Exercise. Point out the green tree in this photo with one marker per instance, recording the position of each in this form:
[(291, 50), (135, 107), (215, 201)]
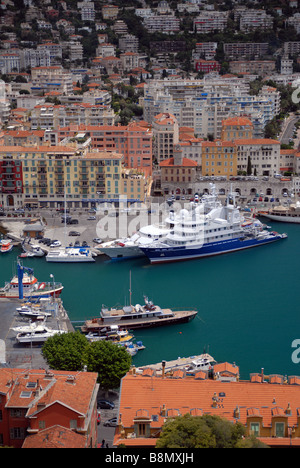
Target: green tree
[(249, 166), (72, 351), (206, 431), (66, 352), (111, 362)]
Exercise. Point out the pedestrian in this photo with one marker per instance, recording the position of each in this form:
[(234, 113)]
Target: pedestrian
[(103, 443)]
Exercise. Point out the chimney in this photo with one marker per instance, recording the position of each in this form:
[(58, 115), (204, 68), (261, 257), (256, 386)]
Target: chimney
[(262, 374), (215, 400), (163, 365), (236, 413), (288, 411), (164, 410)]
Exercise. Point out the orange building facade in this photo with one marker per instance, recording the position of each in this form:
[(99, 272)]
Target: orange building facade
[(35, 402), (132, 140)]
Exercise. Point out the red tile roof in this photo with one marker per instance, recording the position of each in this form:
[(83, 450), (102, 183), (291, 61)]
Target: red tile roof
[(185, 163)]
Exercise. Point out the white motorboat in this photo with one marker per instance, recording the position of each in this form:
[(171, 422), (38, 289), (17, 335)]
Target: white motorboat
[(30, 312), (71, 255), (38, 334), (130, 247), (203, 363), (31, 250)]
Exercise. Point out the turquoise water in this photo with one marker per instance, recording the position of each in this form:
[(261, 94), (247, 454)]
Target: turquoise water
[(248, 302)]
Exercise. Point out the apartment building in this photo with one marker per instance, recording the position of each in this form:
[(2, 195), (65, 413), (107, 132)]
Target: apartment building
[(245, 50), (207, 66), (54, 49), (250, 20), (110, 12), (132, 140), (209, 21), (203, 104), (9, 62), (128, 43), (236, 127), (294, 21), (165, 135), (178, 174), (259, 67), (263, 153), (291, 48), (87, 10), (53, 78), (23, 137), (206, 50), (219, 158), (42, 175), (49, 116), (162, 23), (106, 50), (45, 409)]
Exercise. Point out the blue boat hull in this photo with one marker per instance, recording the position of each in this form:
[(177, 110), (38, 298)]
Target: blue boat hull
[(174, 254)]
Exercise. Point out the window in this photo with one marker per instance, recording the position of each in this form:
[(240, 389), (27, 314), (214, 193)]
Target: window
[(142, 429), (279, 429), (254, 429)]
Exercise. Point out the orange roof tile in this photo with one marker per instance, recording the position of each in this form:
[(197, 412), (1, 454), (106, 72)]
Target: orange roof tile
[(237, 121), (257, 141), (55, 437), (188, 393), (185, 162)]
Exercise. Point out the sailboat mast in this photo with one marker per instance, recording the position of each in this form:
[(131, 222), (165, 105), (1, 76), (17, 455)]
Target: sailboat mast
[(130, 292)]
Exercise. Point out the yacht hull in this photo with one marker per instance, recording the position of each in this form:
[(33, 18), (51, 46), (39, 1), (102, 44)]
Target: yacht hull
[(119, 253), (174, 254)]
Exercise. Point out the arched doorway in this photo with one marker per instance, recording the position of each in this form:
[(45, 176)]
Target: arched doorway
[(269, 191)]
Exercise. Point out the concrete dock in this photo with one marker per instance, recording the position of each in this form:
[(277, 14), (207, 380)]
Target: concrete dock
[(16, 355)]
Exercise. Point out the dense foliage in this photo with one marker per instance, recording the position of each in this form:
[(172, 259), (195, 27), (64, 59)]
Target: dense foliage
[(73, 352), (206, 431)]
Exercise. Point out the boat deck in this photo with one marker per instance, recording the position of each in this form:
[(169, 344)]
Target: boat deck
[(133, 323), (178, 363)]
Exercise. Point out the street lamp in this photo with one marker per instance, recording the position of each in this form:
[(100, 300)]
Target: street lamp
[(52, 277)]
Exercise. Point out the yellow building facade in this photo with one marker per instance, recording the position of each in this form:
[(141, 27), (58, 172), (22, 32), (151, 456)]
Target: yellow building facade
[(219, 158), (48, 173)]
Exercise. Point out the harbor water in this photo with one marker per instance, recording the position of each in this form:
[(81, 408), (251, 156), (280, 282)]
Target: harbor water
[(247, 302)]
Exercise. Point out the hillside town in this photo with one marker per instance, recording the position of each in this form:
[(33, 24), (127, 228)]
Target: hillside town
[(104, 101)]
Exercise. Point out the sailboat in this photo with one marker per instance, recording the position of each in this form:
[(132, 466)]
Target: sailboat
[(70, 254)]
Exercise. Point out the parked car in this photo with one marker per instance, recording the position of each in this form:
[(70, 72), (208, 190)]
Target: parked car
[(73, 221), (111, 422), (97, 240), (84, 244), (98, 417), (55, 243), (106, 404), (74, 233), (91, 218)]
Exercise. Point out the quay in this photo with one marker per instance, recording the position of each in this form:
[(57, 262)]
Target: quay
[(17, 355)]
